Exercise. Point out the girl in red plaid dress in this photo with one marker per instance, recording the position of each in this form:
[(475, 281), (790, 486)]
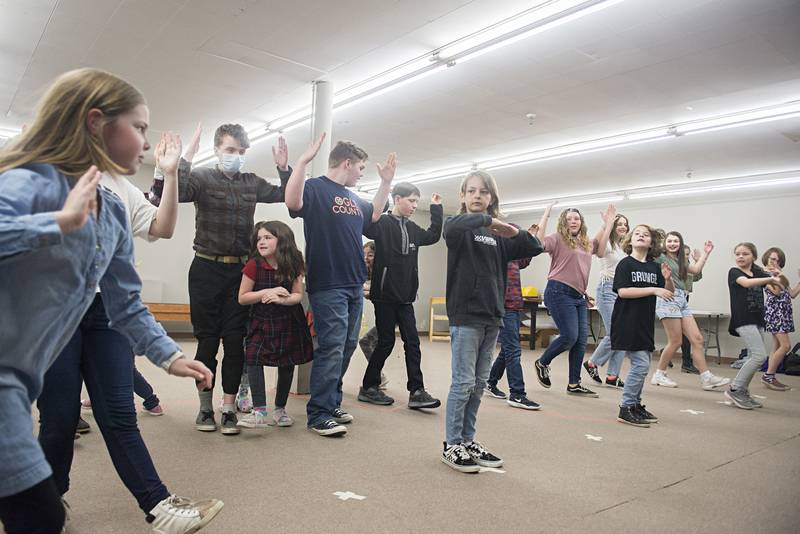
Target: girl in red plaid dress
[(277, 333)]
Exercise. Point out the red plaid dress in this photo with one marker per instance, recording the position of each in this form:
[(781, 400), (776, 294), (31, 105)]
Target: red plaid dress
[(277, 336)]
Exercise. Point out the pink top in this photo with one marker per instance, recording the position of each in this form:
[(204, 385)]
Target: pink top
[(569, 265)]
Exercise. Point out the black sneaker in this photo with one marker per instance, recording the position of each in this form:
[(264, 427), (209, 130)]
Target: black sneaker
[(341, 416), (521, 401), (228, 425), (581, 391), (83, 426), (457, 457), (629, 417), (615, 382), (690, 369), (481, 456), (329, 428), (374, 395), (542, 373), (643, 414), (205, 421), (592, 370), (421, 399), (495, 392)]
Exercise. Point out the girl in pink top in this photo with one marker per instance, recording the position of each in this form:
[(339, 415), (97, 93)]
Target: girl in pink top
[(565, 295)]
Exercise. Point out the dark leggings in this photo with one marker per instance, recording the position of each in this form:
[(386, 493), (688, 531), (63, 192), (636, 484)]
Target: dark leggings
[(258, 389), (37, 510)]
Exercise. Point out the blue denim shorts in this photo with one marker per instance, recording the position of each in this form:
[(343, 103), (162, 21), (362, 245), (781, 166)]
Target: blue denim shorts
[(676, 308)]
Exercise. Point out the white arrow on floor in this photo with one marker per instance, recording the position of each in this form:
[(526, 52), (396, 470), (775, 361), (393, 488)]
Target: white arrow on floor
[(759, 396), (693, 412), (490, 470), (728, 403), (346, 495), (593, 438)]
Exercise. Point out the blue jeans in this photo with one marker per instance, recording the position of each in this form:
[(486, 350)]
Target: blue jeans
[(510, 352), (144, 390), (568, 309), (104, 358), (640, 366), (337, 320), (603, 353), (472, 348)]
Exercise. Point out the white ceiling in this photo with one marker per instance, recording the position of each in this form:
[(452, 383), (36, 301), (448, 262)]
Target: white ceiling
[(635, 65)]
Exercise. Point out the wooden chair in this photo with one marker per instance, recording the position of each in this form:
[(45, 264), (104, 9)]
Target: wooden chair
[(433, 334), (169, 312)]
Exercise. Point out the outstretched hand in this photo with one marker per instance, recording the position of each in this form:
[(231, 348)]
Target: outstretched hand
[(280, 154), (80, 202), (609, 215), (311, 152), (708, 246), (192, 369), (168, 153), (387, 170), (666, 272)]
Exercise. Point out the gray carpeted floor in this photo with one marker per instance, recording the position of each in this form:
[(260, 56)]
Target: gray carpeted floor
[(720, 469)]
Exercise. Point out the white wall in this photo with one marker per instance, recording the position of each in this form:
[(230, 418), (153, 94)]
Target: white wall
[(765, 222), (164, 265)]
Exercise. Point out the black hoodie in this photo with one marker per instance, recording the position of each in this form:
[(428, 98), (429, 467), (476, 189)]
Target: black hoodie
[(395, 272), (477, 268)]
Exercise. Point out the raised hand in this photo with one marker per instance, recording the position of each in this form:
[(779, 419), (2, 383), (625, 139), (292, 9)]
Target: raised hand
[(666, 272), (387, 170), (194, 144), (80, 203), (307, 156), (502, 229), (708, 246), (281, 154), (532, 229), (436, 198), (168, 153), (609, 214)]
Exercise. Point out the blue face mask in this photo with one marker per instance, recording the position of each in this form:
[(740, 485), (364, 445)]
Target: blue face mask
[(231, 163)]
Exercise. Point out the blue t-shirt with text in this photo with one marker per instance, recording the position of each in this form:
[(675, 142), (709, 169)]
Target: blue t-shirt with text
[(334, 219)]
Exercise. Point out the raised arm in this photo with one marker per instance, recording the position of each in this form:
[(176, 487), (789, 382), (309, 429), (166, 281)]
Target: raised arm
[(697, 266), (434, 231), (186, 186), (168, 154), (608, 226), (297, 180), (541, 228), (386, 172), (267, 192)]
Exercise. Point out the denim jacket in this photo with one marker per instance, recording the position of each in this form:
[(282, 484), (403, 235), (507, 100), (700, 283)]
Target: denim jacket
[(48, 279)]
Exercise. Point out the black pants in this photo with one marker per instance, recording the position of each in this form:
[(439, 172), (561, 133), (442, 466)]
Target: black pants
[(37, 510), (387, 316), (686, 348), (217, 314), (258, 389)]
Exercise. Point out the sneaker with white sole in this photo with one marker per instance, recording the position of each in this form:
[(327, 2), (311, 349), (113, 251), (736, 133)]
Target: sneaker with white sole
[(329, 428), (740, 398), (228, 423), (86, 405), (457, 457), (342, 417), (660, 378), (155, 411), (281, 418), (205, 421), (422, 399), (495, 391), (244, 402), (542, 373), (178, 515), (615, 382), (713, 382), (521, 401), (771, 382), (254, 419), (591, 369), (481, 455), (580, 391)]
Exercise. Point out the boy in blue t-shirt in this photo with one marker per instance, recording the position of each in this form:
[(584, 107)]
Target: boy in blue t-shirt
[(334, 219)]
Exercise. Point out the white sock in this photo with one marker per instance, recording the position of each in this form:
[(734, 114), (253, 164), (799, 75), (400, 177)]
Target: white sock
[(706, 375), (228, 407)]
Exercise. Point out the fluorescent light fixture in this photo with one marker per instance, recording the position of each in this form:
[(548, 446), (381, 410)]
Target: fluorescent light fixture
[(787, 110), (8, 133), (721, 185)]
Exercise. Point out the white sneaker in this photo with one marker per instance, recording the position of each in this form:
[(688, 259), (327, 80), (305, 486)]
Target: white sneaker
[(660, 378), (282, 418), (255, 419), (714, 381), (178, 515)]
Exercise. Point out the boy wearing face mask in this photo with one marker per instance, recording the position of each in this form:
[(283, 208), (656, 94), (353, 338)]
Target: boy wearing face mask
[(225, 199)]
